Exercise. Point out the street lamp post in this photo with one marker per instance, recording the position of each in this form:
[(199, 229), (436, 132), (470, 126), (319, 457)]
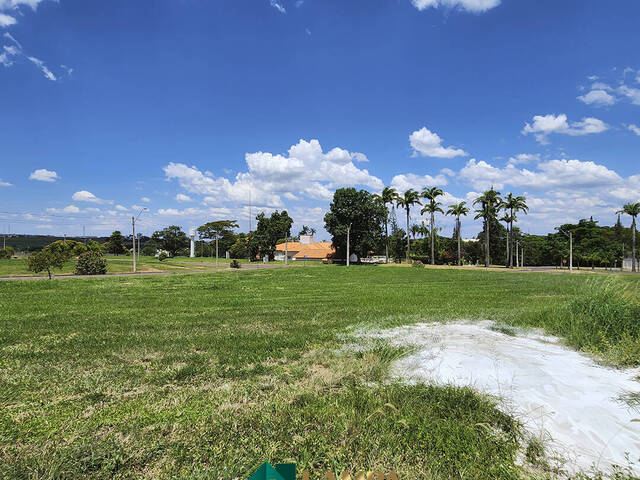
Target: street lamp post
[(133, 236)]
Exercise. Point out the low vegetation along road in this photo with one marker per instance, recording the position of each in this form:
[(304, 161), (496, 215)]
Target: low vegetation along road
[(208, 376)]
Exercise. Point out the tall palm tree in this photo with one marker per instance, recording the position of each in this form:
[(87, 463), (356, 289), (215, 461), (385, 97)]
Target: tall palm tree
[(633, 210), (432, 207), (387, 197), (406, 201), (489, 203), (513, 205), (458, 209)]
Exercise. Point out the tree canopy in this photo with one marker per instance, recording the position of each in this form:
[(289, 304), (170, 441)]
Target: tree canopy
[(366, 215), (172, 239), (268, 231)]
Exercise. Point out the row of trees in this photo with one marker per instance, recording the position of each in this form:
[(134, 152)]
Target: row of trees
[(489, 204), (371, 222)]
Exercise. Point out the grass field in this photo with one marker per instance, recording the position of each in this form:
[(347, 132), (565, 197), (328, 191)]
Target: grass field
[(208, 376), (121, 264)]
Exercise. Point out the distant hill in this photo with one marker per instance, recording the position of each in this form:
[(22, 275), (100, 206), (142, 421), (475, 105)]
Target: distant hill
[(31, 243)]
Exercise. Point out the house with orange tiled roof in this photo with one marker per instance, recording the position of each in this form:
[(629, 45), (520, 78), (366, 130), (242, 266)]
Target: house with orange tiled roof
[(305, 249)]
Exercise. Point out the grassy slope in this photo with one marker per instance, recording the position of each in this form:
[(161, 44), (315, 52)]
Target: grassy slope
[(207, 376)]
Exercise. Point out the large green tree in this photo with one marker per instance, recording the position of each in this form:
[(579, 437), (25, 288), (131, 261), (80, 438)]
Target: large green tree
[(172, 239), (220, 230), (364, 212), (406, 201), (432, 206), (633, 210), (268, 231), (458, 210)]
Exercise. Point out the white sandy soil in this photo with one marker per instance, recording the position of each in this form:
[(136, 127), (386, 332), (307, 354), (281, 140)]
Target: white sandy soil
[(558, 393)]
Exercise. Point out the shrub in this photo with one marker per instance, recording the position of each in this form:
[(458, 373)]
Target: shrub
[(6, 252), (234, 264), (417, 264), (162, 256), (91, 263)]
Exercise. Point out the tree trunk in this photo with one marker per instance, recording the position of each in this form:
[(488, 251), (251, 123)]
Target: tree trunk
[(433, 260), (459, 253), (633, 245), (408, 241), (510, 237), (386, 232), (486, 243), (507, 262)]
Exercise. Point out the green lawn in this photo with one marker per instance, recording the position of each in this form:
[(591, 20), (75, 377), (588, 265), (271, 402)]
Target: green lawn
[(121, 264), (208, 376)]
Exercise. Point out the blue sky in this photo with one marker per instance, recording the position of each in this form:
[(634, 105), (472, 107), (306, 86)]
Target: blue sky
[(196, 109)]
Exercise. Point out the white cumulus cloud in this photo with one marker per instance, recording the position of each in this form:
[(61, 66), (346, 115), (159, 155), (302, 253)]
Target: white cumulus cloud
[(4, 184), (44, 175), (426, 143), (544, 125), (305, 171), (598, 98), (181, 197), (85, 196)]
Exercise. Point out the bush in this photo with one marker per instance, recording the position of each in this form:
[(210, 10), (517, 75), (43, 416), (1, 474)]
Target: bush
[(417, 264), (91, 263), (234, 264), (162, 256), (6, 252)]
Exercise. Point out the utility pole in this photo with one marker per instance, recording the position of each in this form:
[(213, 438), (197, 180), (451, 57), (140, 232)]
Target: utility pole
[(133, 236), (348, 234), (570, 251)]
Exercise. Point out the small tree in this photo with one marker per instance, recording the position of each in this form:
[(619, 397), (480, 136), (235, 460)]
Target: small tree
[(240, 249), (115, 244), (6, 252), (46, 261), (150, 249)]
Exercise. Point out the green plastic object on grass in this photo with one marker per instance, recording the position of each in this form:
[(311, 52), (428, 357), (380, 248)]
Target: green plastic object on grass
[(282, 471)]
